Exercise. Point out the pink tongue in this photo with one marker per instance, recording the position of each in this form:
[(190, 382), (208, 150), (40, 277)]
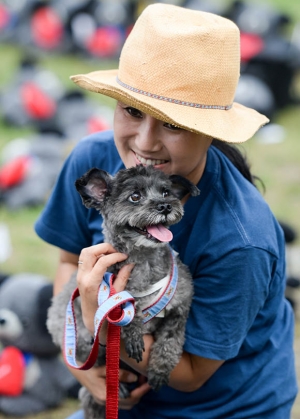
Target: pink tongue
[(160, 232)]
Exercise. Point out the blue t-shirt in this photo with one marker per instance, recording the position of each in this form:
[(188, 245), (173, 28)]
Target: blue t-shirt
[(234, 248)]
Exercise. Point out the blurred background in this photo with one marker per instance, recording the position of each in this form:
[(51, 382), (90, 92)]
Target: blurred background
[(43, 115)]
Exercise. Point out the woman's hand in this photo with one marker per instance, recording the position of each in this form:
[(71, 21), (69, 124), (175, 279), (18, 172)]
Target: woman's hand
[(95, 381), (135, 395), (94, 262)]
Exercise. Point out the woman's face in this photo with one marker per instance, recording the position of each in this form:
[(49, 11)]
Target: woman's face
[(142, 139)]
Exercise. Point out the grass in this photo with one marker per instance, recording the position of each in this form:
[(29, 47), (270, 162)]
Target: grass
[(278, 165), (63, 411), (289, 7), (31, 254)]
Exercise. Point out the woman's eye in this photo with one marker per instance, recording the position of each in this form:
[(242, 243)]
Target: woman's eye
[(172, 126), (133, 112), (166, 193), (135, 197)]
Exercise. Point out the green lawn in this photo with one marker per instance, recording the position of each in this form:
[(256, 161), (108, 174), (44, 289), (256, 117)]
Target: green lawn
[(30, 254)]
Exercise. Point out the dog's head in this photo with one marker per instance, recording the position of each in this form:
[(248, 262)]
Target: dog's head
[(137, 204)]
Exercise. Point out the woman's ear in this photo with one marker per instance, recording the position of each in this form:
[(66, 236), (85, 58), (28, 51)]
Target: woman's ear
[(93, 187), (182, 186)]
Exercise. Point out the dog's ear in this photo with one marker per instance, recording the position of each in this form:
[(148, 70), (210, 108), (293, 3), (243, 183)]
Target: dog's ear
[(182, 186), (93, 187)]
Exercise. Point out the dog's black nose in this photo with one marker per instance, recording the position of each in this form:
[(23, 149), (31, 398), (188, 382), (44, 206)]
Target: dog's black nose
[(164, 208)]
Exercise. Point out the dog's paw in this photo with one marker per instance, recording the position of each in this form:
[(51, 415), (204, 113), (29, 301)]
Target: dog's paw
[(135, 347), (156, 381), (133, 338)]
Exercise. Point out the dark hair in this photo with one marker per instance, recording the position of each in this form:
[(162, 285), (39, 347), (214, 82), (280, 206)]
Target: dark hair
[(239, 160)]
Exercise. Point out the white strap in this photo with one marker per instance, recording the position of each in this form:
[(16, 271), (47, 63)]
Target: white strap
[(155, 287)]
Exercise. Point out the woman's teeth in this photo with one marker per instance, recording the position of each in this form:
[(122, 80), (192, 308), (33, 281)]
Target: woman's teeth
[(149, 162)]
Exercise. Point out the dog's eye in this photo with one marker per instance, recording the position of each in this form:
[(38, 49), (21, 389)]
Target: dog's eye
[(135, 197), (166, 193)]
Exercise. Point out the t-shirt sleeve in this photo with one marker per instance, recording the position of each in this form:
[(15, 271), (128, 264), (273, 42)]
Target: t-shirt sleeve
[(64, 220), (228, 294)]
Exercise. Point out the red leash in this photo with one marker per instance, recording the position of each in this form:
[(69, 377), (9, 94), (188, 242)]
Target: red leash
[(118, 309), (112, 363)]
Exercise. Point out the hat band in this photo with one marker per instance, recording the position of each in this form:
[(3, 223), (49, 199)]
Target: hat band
[(170, 100)]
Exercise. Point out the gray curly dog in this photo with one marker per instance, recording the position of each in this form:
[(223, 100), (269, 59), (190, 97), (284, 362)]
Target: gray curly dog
[(137, 205)]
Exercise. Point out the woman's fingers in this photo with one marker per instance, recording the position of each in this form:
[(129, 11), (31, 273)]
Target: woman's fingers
[(90, 255), (89, 277), (127, 376), (94, 380), (134, 397), (122, 278), (94, 262)]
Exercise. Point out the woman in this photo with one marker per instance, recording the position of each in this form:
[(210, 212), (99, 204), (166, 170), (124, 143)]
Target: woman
[(174, 89)]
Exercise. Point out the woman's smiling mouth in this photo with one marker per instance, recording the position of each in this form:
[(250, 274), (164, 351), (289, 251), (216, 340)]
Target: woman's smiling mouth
[(149, 162)]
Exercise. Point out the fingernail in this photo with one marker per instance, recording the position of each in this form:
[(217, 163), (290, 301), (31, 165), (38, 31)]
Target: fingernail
[(131, 378), (130, 266)]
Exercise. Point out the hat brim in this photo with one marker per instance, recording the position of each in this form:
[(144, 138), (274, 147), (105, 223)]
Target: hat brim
[(235, 125)]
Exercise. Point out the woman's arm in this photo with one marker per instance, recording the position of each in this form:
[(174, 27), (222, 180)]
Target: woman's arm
[(67, 265), (189, 374)]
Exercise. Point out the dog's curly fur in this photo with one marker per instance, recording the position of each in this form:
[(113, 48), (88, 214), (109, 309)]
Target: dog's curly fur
[(129, 202)]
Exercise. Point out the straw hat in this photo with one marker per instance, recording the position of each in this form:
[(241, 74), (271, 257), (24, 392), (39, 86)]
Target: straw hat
[(181, 66)]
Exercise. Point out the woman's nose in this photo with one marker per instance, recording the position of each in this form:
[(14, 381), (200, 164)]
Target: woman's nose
[(147, 136)]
